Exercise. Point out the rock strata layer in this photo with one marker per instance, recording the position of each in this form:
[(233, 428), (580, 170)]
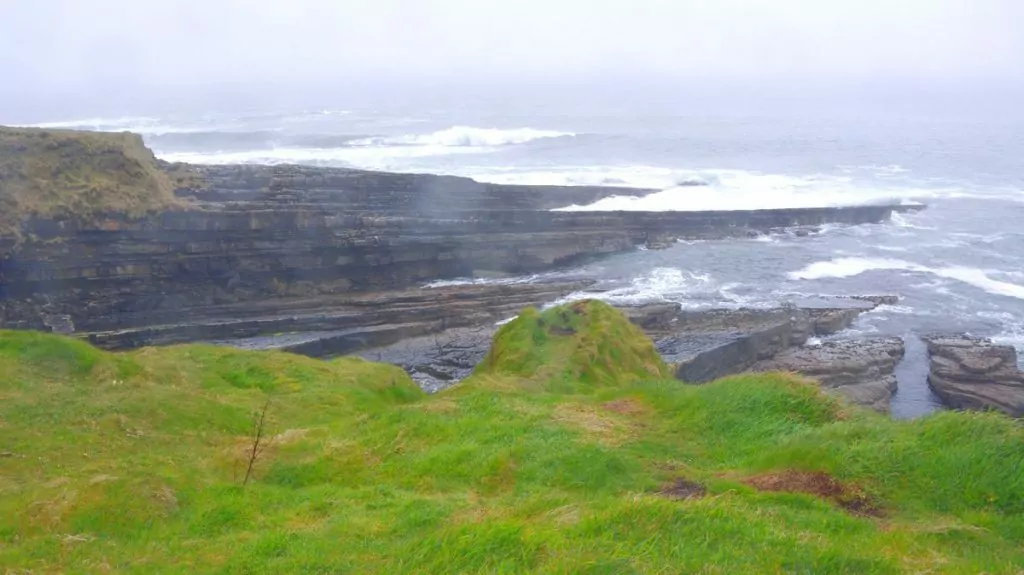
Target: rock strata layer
[(260, 243), (972, 373), (860, 370)]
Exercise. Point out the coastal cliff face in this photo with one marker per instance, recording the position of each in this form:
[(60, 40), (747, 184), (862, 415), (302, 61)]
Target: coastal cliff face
[(264, 241), (325, 262), (60, 173)]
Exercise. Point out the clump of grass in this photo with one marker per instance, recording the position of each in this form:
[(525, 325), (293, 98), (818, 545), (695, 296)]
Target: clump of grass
[(72, 174), (134, 461), (587, 343)]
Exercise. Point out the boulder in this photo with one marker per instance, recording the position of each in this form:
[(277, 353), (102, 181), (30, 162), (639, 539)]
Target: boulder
[(860, 370), (973, 373)]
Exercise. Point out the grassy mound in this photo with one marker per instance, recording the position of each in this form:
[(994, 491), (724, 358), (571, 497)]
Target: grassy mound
[(64, 173), (134, 462), (587, 343)]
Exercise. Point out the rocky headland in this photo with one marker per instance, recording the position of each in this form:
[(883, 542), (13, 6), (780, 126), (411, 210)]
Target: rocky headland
[(103, 241)]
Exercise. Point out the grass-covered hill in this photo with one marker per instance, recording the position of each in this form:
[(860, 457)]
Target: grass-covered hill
[(66, 173), (568, 451)]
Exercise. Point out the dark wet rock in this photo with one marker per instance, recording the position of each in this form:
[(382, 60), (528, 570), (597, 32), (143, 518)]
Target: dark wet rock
[(707, 345), (59, 323), (877, 300), (713, 344), (439, 352), (860, 370), (655, 318), (438, 361), (831, 321), (710, 344), (262, 243), (346, 324), (973, 373)]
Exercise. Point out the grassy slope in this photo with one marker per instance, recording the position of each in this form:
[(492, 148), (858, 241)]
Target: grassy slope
[(69, 173), (539, 463)]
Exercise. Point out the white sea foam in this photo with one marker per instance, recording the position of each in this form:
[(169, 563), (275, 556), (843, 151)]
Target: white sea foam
[(875, 169), (894, 310), (1013, 331), (360, 157), (907, 221), (379, 153), (660, 285), (631, 176), (465, 136), (516, 280), (138, 124), (849, 267), (743, 190), (898, 249)]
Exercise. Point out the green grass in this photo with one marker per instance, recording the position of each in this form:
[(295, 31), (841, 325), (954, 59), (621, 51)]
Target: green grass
[(71, 174), (132, 463)]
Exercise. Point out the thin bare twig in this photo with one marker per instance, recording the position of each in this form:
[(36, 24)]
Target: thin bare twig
[(258, 445)]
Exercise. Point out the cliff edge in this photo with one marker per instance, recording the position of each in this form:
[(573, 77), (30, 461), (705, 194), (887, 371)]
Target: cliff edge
[(71, 174)]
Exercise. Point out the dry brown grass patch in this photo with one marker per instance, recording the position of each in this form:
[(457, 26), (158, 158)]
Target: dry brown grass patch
[(627, 406), (437, 405), (818, 484), (599, 425), (681, 489)]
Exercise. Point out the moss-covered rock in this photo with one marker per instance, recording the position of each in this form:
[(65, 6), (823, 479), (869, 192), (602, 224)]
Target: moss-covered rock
[(586, 343), (66, 173)]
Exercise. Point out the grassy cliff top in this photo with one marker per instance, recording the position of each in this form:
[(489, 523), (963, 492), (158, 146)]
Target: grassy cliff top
[(65, 173), (134, 462)]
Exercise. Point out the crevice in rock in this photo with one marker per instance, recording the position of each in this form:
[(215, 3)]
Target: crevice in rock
[(913, 397)]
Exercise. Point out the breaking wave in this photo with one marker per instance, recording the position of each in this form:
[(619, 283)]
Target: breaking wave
[(465, 136), (354, 157), (849, 267), (743, 190), (629, 176), (667, 284), (137, 124), (376, 153)]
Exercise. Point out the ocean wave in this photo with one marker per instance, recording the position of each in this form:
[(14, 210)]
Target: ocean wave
[(666, 284), (376, 153), (628, 176), (354, 157), (743, 190), (515, 280), (1012, 331), (211, 124), (907, 221), (849, 267), (138, 124), (465, 136), (251, 141), (875, 169)]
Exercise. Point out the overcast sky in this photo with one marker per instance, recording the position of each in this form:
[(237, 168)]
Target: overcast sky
[(90, 46)]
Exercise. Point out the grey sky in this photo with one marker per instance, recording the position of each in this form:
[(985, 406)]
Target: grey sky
[(92, 45)]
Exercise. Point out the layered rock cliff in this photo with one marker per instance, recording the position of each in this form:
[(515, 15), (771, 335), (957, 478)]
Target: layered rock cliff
[(256, 249), (99, 238), (972, 373)]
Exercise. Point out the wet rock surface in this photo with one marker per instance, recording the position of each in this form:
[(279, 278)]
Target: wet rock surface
[(262, 243), (438, 361), (703, 345), (973, 373), (349, 324), (860, 370)]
